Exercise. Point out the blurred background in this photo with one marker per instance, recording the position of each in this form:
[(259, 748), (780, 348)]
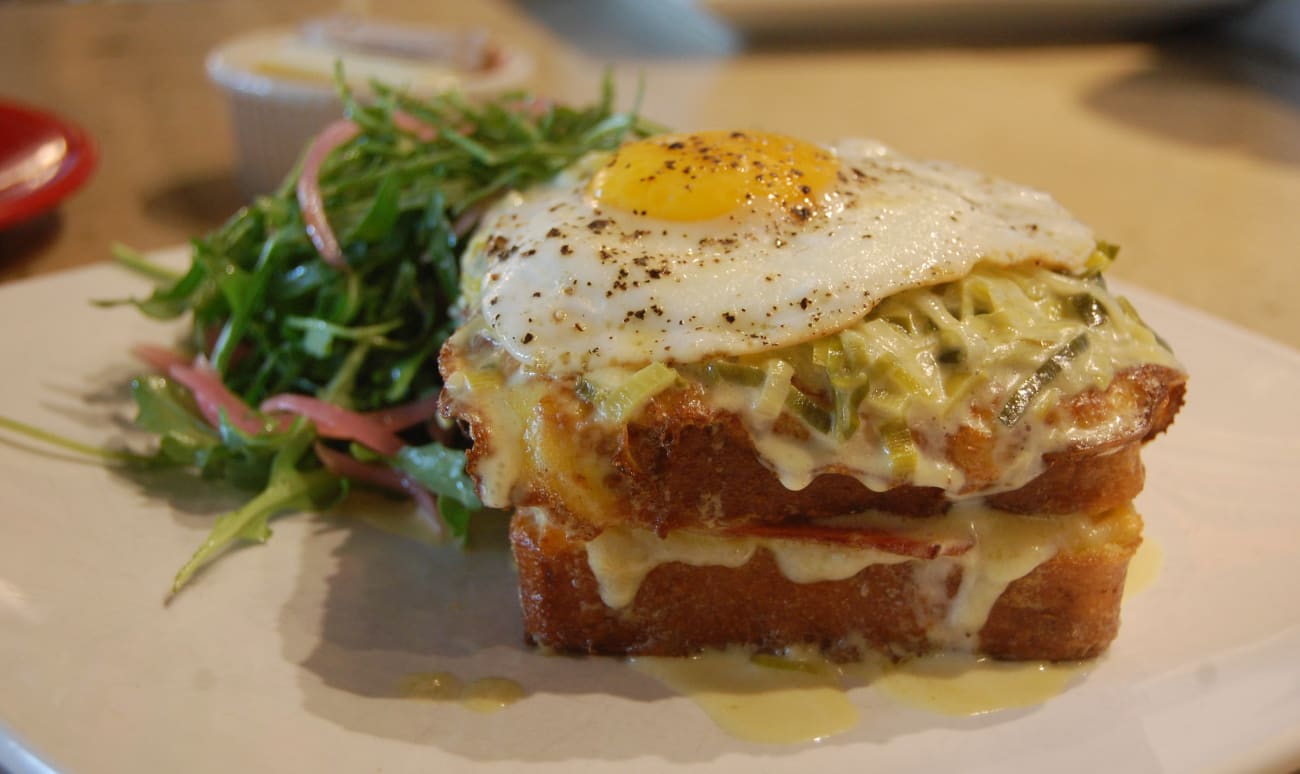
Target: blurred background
[(1171, 126)]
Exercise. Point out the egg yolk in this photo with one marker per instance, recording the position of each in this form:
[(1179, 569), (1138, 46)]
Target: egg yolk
[(705, 175)]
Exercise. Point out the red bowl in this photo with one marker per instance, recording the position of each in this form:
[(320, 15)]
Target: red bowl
[(42, 160)]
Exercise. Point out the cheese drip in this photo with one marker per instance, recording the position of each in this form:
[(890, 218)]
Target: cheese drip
[(622, 557), (991, 549)]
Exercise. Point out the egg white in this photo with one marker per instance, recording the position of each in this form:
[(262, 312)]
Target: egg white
[(569, 286)]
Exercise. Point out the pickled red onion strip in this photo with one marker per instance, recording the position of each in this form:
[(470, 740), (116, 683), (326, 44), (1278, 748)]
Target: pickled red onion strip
[(159, 358), (347, 466), (342, 464), (212, 396), (310, 200), (337, 422), (535, 107), (407, 414), (406, 121)]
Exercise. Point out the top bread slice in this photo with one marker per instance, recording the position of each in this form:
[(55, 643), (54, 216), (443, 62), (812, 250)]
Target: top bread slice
[(680, 463)]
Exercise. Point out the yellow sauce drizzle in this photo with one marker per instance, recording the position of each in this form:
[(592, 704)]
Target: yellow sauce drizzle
[(759, 700), (484, 695), (1143, 568), (802, 698), (491, 694), (961, 685), (433, 686)]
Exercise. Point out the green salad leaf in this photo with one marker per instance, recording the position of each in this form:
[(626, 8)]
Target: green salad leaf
[(166, 409), (440, 470), (287, 488), (270, 316)]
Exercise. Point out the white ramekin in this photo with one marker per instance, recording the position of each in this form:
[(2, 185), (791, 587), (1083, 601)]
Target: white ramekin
[(274, 117)]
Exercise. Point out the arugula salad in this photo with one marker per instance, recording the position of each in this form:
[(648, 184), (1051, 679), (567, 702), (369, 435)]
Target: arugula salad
[(316, 313)]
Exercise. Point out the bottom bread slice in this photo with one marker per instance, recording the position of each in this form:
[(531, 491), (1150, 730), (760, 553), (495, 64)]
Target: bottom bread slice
[(986, 595)]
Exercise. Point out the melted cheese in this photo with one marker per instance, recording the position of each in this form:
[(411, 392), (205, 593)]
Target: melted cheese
[(525, 442), (1003, 547), (504, 408), (621, 557)]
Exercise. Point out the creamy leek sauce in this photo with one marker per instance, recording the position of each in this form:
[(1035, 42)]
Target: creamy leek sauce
[(909, 384), (484, 695)]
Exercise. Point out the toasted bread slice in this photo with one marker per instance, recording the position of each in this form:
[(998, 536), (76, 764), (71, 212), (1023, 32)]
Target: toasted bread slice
[(1065, 607), (681, 464), (679, 454)]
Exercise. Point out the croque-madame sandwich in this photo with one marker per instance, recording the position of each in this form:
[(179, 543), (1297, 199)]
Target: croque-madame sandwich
[(744, 390)]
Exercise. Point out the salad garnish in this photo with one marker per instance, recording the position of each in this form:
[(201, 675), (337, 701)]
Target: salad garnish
[(316, 313)]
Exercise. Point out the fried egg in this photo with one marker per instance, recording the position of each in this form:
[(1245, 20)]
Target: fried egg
[(680, 248)]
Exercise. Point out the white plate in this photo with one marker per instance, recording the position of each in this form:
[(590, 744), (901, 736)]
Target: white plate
[(288, 656)]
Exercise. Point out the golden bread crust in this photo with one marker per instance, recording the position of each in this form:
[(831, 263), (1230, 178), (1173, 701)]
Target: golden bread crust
[(679, 454), (683, 464), (1065, 609)]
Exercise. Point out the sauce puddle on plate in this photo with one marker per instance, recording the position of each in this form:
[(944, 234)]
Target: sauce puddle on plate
[(788, 700), (771, 700), (803, 697), (958, 684), (484, 695), (1143, 568), (799, 698)]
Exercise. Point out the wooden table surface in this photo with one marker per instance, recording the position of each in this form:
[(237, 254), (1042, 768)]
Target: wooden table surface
[(1185, 152)]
